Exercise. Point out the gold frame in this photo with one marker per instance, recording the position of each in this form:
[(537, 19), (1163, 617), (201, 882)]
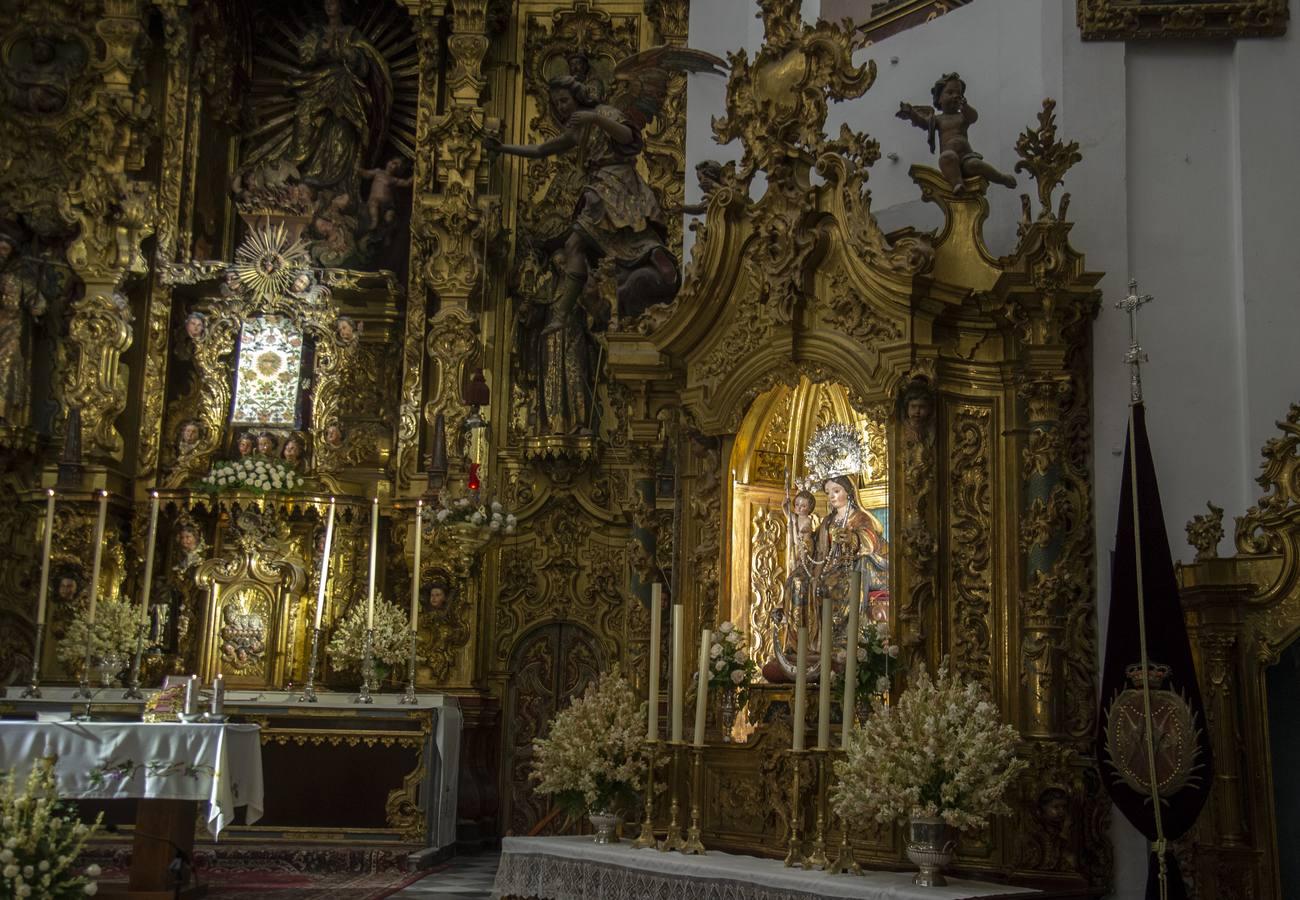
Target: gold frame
[(1126, 20)]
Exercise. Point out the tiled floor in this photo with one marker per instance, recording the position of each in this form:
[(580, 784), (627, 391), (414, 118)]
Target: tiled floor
[(465, 878)]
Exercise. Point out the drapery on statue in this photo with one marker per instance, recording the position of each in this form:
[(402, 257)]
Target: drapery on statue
[(617, 214), (950, 118), (343, 95)]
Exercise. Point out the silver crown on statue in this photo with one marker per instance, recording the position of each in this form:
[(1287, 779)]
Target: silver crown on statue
[(834, 450)]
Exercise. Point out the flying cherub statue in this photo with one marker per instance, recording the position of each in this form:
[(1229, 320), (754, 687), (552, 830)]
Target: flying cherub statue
[(951, 117), (617, 213)]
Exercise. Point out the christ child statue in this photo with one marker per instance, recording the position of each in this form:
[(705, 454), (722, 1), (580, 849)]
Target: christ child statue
[(802, 529), (950, 118), (383, 185)]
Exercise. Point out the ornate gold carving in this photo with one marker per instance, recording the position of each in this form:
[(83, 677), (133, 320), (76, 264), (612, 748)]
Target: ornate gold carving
[(766, 579), (1046, 160), (1134, 19), (402, 808), (100, 331), (972, 522), (1259, 530), (1205, 531)]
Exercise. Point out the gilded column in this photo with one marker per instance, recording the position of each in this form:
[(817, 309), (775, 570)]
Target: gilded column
[(1042, 524)]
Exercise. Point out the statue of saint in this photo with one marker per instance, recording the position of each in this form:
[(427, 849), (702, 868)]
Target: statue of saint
[(20, 303), (848, 538), (617, 215), (343, 95)]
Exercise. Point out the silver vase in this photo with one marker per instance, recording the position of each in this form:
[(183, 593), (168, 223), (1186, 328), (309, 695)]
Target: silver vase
[(931, 843), (727, 711), (606, 825)]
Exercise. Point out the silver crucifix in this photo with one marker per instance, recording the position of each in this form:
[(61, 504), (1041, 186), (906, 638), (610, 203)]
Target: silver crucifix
[(1134, 357)]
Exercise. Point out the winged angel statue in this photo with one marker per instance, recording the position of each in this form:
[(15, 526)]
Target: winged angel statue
[(617, 214)]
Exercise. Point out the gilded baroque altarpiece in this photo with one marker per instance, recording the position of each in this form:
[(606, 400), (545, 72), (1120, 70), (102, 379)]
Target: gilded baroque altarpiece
[(211, 183)]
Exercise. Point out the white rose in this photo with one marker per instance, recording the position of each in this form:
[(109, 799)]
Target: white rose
[(6, 856), (738, 676), (496, 525), (23, 890), (742, 657), (715, 651), (862, 654), (882, 684), (93, 870), (496, 506), (44, 865), (511, 520), (732, 637), (462, 502), (725, 627), (893, 651), (11, 870), (28, 871), (720, 665), (510, 529), (91, 889), (12, 843), (442, 514)]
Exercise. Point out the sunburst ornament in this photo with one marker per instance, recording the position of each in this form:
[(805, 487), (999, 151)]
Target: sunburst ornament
[(269, 261), (834, 450)]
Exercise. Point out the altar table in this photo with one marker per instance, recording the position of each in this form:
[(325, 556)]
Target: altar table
[(171, 768), (575, 868)]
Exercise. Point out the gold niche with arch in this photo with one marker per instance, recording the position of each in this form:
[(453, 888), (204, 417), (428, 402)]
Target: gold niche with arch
[(768, 477)]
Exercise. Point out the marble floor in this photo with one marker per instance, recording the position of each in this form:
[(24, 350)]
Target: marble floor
[(463, 878)]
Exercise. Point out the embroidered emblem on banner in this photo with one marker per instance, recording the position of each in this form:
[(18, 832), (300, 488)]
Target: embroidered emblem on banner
[(1174, 733)]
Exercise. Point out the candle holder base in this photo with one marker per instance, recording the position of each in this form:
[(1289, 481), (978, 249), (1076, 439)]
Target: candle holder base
[(408, 696), (673, 840), (817, 859), (794, 853), (82, 691), (308, 694), (33, 690), (132, 691), (693, 846), (367, 668), (844, 863), (646, 840)]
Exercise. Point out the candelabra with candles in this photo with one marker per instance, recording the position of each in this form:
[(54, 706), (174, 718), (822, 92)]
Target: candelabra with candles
[(794, 852), (646, 839)]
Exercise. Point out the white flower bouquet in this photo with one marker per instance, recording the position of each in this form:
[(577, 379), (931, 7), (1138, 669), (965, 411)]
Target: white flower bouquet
[(391, 641), (877, 662), (594, 756), (259, 474), (112, 637), (941, 752), (730, 665), (492, 516), (40, 839)]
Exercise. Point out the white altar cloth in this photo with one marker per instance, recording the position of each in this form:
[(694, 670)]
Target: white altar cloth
[(217, 764), (575, 868)]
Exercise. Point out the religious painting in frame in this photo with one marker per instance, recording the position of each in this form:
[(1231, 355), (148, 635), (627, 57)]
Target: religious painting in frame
[(1122, 20)]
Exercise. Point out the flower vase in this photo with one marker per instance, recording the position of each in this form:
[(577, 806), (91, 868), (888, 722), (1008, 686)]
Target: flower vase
[(931, 843), (727, 711), (606, 824)]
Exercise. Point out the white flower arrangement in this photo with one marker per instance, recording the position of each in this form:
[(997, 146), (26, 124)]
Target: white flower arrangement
[(491, 516), (877, 662), (112, 637), (732, 666), (391, 640), (593, 758), (260, 474), (40, 840), (940, 752)]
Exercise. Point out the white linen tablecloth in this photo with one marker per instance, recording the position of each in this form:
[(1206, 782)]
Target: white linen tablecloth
[(575, 868), (218, 764)]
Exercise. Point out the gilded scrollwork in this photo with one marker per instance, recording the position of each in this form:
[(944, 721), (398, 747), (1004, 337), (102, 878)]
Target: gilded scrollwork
[(971, 522)]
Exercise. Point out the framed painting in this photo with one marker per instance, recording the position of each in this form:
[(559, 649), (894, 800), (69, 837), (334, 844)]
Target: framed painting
[(1123, 20)]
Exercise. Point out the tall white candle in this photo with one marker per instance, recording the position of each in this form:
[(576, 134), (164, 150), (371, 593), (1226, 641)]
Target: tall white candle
[(150, 541), (702, 688), (45, 557), (374, 548), (219, 695), (824, 681), (99, 555), (679, 671), (851, 657), (656, 625), (325, 564), (415, 574), (800, 688)]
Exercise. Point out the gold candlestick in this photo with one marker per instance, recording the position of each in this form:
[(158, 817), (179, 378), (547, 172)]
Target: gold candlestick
[(844, 862), (646, 839), (817, 859), (794, 855), (693, 843), (674, 840)]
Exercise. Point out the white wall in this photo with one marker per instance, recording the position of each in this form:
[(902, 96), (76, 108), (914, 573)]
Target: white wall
[(1187, 183)]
